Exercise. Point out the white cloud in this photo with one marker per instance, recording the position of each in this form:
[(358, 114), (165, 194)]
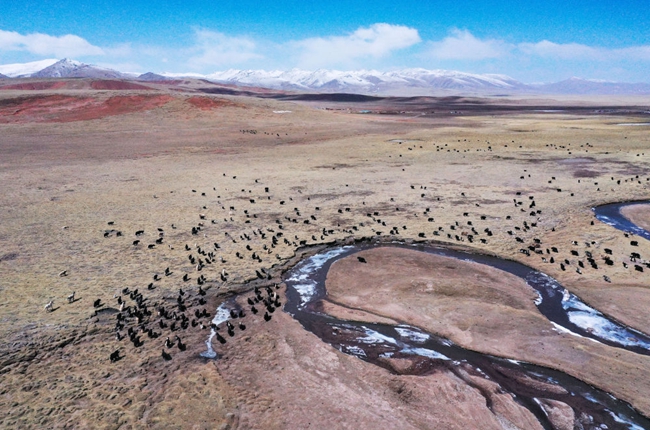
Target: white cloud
[(375, 41), (635, 52), (68, 45), (17, 69), (573, 51), (549, 49), (121, 50), (463, 45), (217, 49), (381, 46)]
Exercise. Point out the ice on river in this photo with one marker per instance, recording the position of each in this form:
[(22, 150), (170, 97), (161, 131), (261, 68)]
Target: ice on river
[(592, 321), (222, 315), (374, 337), (302, 276), (411, 334)]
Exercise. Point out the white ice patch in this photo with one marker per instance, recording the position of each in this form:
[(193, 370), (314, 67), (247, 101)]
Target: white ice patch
[(573, 303), (306, 292), (412, 335), (624, 226), (539, 278), (374, 337), (301, 274), (281, 111), (560, 329), (424, 352), (540, 405), (222, 315), (592, 321), (584, 316), (605, 329), (607, 220), (542, 279), (355, 350), (566, 295), (630, 425), (210, 352)]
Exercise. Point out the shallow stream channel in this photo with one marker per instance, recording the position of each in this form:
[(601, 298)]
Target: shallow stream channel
[(529, 384)]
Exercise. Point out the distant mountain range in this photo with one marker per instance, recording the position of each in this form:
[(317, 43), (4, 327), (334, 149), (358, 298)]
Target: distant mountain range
[(74, 69), (368, 81), (406, 82)]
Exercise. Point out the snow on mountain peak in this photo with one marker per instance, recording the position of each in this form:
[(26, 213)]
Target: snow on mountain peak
[(67, 68), (363, 80), (360, 81), (411, 81)]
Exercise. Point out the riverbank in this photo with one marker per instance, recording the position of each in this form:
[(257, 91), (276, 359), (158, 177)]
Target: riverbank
[(638, 214), (480, 308)]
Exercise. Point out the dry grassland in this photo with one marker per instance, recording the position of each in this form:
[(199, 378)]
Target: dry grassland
[(167, 162)]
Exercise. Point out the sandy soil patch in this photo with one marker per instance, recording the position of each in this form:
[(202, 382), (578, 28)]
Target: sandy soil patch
[(49, 85), (638, 214), (107, 84), (207, 103), (61, 108), (478, 307)]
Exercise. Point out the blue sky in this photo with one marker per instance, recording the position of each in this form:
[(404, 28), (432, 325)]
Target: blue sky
[(532, 41)]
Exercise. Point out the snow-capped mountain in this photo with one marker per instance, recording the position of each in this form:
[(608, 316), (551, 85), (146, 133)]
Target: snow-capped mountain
[(74, 69), (3, 76), (25, 69), (150, 76), (366, 81), (405, 82)]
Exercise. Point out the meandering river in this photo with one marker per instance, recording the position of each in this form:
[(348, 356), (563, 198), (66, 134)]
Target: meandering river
[(529, 384)]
